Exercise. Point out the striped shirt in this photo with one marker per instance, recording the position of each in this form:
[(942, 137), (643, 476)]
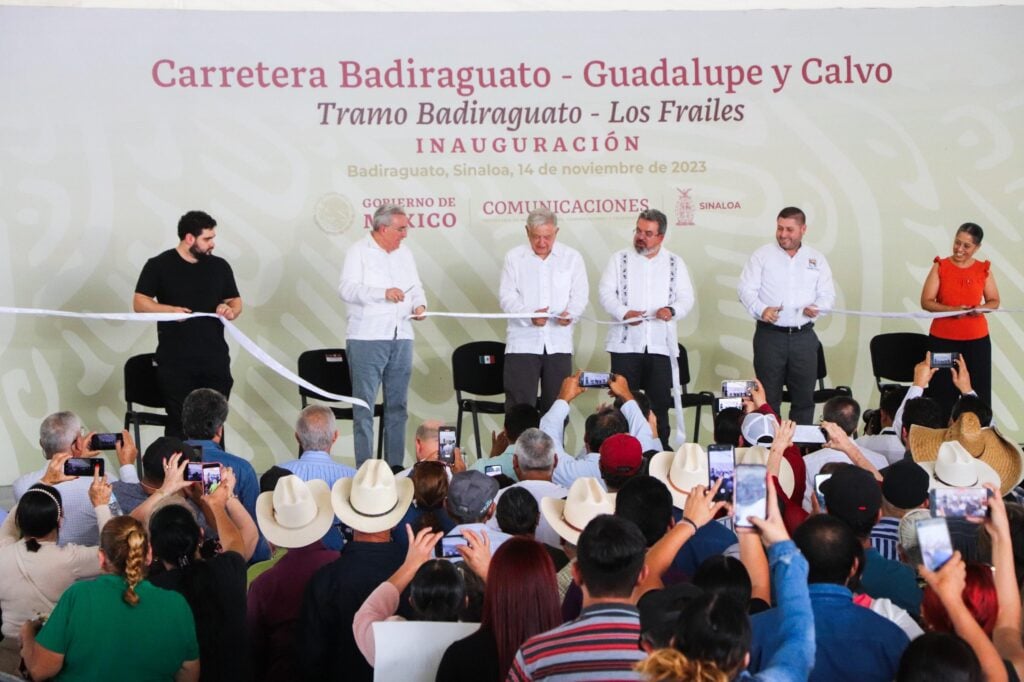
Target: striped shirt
[(885, 536), (602, 644)]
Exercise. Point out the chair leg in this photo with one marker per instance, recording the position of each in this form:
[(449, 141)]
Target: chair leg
[(476, 432), (458, 426), (696, 424), (380, 437)]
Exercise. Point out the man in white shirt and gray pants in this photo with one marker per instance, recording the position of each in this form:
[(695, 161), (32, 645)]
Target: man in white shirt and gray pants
[(543, 277), (652, 286), (785, 286), (382, 288)]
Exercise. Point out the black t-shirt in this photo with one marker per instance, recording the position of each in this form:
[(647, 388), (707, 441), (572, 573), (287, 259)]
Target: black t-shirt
[(200, 287), (225, 655)]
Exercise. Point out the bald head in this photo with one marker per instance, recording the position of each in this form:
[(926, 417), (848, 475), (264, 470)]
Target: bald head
[(426, 439)]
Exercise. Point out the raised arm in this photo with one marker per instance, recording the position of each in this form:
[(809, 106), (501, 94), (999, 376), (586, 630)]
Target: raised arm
[(1007, 632)]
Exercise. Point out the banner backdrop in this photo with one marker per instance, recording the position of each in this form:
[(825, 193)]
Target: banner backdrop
[(888, 127)]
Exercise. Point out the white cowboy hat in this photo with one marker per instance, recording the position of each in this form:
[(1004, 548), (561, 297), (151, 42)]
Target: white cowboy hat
[(373, 500), (295, 513), (681, 470), (955, 468), (759, 455), (984, 444), (587, 498)]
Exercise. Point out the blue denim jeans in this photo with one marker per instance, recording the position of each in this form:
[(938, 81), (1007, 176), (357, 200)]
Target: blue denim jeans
[(373, 363)]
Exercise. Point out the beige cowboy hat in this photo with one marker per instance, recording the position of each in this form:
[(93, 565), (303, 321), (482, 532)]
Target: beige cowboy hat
[(373, 500), (983, 444), (295, 513), (681, 470), (587, 498), (759, 455), (955, 468)]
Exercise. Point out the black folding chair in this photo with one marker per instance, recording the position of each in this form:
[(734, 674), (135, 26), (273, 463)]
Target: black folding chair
[(478, 368), (893, 357), (697, 400), (822, 394), (328, 369), (141, 389)]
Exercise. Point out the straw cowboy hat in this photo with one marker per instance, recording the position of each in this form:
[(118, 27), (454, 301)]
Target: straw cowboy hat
[(983, 444), (373, 500), (681, 470), (295, 513), (759, 455), (587, 498), (955, 468)]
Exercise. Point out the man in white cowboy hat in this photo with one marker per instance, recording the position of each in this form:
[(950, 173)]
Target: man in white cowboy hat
[(295, 515), (567, 517), (991, 452), (371, 504), (681, 471)]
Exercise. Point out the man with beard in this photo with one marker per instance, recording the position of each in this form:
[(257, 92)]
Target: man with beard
[(786, 286), (649, 287), (192, 353)]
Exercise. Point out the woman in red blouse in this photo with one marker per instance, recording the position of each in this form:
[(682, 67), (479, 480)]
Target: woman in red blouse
[(960, 282)]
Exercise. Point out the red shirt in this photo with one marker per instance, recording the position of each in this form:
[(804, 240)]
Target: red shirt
[(957, 287)]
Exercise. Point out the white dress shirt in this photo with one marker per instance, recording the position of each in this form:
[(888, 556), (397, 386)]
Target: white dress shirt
[(634, 282), (772, 278), (368, 272), (816, 460), (887, 443), (529, 283)]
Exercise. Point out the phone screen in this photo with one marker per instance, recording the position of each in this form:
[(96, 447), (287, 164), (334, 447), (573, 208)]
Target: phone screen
[(448, 544), (963, 503), (944, 360), (726, 403), (722, 465), (194, 471), (736, 388), (104, 441), (492, 469), (446, 444), (83, 466), (211, 477), (594, 379), (808, 434), (933, 539), (751, 498), (818, 480)]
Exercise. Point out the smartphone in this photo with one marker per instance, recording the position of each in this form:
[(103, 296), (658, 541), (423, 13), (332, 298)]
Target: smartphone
[(726, 403), (944, 360), (722, 465), (933, 539), (83, 466), (194, 472), (751, 496), (809, 435), (492, 469), (737, 388), (104, 441), (818, 480), (211, 477), (446, 444), (960, 503), (446, 548), (594, 379)]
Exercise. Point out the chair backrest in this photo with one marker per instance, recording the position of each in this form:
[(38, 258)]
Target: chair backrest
[(140, 381), (326, 368), (894, 355), (684, 367), (478, 367)]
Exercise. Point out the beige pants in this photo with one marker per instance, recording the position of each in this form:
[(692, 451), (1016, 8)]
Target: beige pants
[(10, 655)]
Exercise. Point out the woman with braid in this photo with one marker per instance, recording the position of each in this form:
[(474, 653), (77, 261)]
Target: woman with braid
[(118, 626)]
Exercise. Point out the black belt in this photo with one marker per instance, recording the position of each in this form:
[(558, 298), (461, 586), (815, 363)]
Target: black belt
[(785, 330)]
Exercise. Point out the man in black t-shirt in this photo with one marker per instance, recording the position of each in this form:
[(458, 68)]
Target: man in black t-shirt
[(190, 354)]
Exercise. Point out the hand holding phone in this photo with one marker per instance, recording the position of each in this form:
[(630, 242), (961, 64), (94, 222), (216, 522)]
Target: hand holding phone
[(594, 379), (721, 466), (751, 496), (104, 441), (211, 477), (944, 360), (446, 444), (934, 542), (84, 466)]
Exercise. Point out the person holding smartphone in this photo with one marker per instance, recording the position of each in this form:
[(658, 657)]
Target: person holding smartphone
[(960, 282)]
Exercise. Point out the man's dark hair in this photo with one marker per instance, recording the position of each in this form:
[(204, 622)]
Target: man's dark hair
[(517, 512), (728, 426), (939, 656), (270, 477), (830, 547), (194, 222), (891, 400), (642, 401), (793, 212), (844, 411), (610, 554), (974, 405), (518, 418), (654, 215), (922, 411), (158, 451), (602, 425), (646, 502), (203, 413), (726, 576)]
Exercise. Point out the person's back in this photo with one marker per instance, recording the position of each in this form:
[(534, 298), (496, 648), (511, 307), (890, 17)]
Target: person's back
[(851, 642)]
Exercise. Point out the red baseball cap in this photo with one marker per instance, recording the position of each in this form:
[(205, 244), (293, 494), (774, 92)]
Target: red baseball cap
[(621, 455)]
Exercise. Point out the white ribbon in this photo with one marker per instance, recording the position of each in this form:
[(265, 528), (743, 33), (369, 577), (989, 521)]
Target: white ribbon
[(244, 341)]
